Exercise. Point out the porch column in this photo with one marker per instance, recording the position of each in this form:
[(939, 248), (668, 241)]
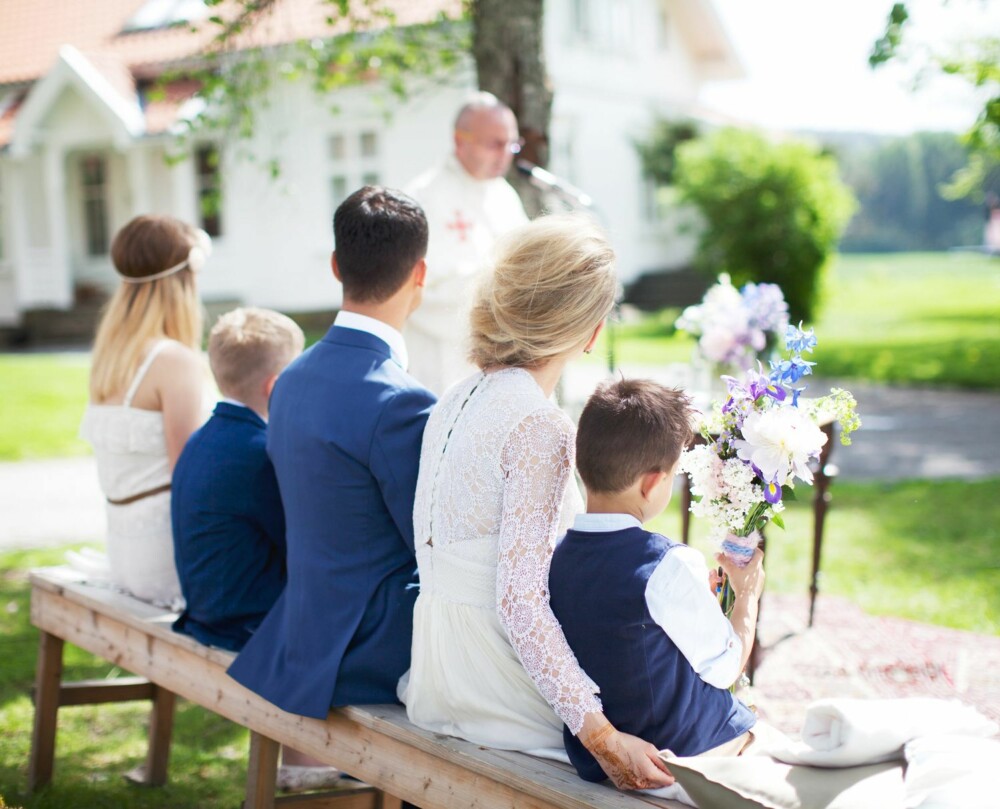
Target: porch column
[(138, 179), (185, 192), (57, 289)]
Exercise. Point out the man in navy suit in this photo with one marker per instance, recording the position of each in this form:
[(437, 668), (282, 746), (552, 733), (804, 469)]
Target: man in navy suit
[(229, 527), (344, 437)]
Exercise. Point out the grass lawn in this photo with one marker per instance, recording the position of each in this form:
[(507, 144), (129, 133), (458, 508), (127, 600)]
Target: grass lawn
[(42, 397), (895, 549), (912, 318), (915, 549), (96, 745)]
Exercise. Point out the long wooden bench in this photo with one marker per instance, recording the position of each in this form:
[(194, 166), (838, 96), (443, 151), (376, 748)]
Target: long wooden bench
[(375, 744)]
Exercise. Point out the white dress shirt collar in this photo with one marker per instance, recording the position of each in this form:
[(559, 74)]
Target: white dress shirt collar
[(377, 328), (602, 523)]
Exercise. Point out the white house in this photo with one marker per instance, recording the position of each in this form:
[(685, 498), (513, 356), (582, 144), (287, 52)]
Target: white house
[(83, 147)]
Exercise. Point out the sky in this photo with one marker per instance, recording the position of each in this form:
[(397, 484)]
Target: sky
[(807, 65)]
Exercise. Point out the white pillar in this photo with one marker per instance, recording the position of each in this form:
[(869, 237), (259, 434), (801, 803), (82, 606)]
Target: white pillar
[(138, 180), (57, 288), (185, 202)]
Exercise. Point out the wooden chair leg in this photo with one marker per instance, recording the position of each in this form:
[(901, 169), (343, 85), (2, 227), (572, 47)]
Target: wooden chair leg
[(43, 738), (262, 772), (161, 728), (387, 801)]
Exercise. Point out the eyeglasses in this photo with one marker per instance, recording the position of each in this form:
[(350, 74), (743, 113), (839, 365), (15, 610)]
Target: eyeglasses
[(495, 145)]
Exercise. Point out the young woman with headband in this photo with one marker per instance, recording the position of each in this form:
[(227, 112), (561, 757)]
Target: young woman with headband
[(147, 384)]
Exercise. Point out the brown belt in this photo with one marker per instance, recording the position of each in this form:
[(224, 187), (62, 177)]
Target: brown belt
[(140, 496)]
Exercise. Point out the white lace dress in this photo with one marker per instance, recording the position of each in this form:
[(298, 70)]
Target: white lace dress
[(131, 453), (495, 491)]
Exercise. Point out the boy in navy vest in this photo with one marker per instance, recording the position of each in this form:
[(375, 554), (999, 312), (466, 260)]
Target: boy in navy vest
[(229, 526), (638, 609)]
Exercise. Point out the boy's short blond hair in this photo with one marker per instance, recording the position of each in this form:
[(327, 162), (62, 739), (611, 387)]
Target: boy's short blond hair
[(630, 427), (248, 346)]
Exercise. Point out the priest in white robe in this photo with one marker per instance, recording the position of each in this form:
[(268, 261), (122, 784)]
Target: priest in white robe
[(469, 205)]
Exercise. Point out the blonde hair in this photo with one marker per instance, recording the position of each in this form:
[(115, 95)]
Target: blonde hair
[(553, 282), (248, 346), (140, 313)]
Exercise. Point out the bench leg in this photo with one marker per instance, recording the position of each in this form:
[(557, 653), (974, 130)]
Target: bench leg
[(387, 801), (262, 772), (43, 738), (161, 729)]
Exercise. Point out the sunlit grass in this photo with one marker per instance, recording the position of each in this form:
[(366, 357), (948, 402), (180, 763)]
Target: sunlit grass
[(913, 318)]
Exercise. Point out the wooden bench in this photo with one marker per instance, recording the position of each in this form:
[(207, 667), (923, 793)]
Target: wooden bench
[(373, 743)]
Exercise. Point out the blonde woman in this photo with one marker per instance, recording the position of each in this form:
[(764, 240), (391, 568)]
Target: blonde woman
[(146, 396), (490, 662)]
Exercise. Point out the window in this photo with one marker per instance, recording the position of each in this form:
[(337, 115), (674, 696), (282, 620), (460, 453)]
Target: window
[(354, 162), (209, 186), (605, 24), (94, 172)]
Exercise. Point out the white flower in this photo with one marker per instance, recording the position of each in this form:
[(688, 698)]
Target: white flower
[(780, 442)]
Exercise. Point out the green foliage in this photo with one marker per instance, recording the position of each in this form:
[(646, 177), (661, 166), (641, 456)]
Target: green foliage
[(42, 403), (897, 183), (905, 318), (923, 550), (773, 212), (978, 62), (658, 152), (364, 45), (97, 745)]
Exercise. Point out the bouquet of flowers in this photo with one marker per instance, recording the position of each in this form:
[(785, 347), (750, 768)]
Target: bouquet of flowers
[(758, 443), (733, 326)]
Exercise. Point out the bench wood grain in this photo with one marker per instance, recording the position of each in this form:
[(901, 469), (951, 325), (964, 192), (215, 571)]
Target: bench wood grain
[(375, 743)]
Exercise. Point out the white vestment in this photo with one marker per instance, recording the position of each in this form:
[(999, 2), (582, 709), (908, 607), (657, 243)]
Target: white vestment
[(465, 217)]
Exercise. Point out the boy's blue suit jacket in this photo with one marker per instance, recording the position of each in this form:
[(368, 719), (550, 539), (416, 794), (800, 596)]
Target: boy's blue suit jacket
[(346, 423), (229, 528)]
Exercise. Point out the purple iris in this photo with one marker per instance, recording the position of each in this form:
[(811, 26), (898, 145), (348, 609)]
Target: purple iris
[(772, 492)]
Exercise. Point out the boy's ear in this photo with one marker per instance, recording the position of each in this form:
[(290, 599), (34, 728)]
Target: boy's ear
[(650, 481), (334, 266), (269, 386)]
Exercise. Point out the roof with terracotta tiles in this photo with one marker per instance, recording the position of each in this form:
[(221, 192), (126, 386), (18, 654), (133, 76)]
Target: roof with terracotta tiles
[(32, 31)]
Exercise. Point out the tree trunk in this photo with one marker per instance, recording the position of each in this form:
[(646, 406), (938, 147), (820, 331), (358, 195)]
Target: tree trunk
[(510, 63)]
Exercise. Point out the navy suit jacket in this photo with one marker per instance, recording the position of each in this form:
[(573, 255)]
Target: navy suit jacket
[(229, 529), (345, 428)]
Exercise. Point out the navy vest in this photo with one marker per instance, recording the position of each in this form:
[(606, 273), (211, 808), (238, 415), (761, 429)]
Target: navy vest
[(597, 586)]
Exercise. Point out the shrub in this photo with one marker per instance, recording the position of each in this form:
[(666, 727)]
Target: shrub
[(772, 211)]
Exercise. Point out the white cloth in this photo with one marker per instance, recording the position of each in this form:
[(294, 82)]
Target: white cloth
[(465, 217), (377, 328), (958, 772), (131, 452), (850, 732), (494, 492), (681, 603)]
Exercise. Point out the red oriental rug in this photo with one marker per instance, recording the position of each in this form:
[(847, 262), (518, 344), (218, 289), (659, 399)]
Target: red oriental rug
[(848, 653)]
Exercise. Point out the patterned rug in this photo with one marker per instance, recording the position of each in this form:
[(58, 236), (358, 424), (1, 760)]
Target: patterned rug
[(848, 653)]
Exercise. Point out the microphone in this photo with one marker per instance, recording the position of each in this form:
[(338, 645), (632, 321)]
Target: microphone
[(547, 181)]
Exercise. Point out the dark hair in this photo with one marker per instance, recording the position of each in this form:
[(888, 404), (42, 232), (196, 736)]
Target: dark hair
[(630, 427), (379, 235)]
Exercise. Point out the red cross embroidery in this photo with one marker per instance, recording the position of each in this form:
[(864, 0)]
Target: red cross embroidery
[(460, 225)]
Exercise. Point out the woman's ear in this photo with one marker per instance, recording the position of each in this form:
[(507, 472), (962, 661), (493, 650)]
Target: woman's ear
[(593, 337)]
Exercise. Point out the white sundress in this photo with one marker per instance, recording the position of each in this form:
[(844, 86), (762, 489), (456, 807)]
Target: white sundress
[(494, 492), (131, 453)]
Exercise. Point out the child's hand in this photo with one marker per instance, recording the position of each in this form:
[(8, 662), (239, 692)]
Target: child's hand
[(715, 579), (749, 579)]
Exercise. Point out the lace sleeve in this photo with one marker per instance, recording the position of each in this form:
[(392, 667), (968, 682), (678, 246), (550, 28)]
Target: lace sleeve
[(537, 461)]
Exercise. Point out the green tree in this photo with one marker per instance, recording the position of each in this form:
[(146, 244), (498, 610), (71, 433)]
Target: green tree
[(772, 211), (978, 62)]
